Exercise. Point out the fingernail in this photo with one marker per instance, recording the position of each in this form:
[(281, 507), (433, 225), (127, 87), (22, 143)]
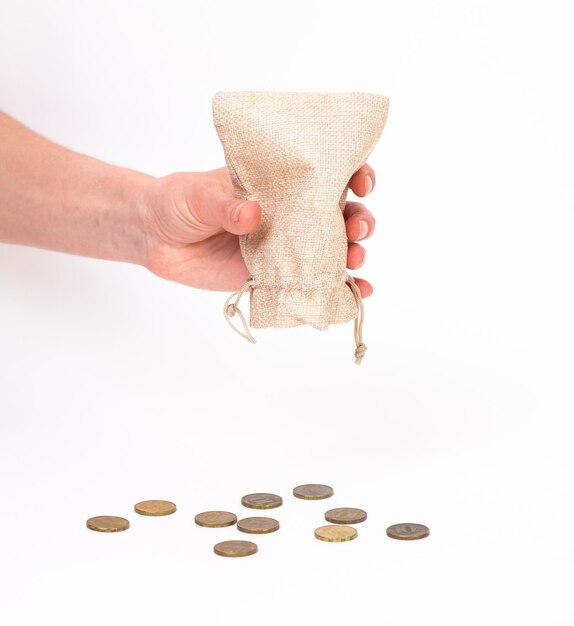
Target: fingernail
[(368, 184), (237, 211), (363, 261), (363, 229)]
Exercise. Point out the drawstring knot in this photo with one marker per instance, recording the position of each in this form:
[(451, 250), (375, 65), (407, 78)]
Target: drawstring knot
[(360, 353), (230, 309)]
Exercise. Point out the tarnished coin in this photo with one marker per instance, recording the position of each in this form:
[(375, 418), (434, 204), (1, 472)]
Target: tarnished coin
[(408, 531), (108, 524), (336, 533), (215, 519), (261, 501), (258, 525), (155, 508), (313, 492), (345, 516), (235, 548)]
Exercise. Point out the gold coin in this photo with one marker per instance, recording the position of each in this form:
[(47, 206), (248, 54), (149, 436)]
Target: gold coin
[(261, 501), (258, 525), (345, 516), (336, 533), (313, 492), (408, 531), (155, 508), (215, 519), (235, 548), (108, 524)]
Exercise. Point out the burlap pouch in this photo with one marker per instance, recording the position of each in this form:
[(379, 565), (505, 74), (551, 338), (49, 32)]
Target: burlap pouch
[(294, 154)]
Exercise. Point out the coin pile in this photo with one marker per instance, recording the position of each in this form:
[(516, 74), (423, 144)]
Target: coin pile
[(338, 529)]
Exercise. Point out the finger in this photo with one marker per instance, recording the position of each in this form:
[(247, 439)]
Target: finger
[(356, 256), (212, 205), (359, 221), (240, 217), (363, 181), (365, 287)]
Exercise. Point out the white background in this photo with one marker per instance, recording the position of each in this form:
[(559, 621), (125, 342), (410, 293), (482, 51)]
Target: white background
[(116, 386)]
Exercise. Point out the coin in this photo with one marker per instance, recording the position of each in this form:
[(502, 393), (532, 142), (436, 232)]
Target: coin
[(408, 531), (258, 525), (313, 492), (108, 524), (336, 533), (261, 501), (155, 508), (235, 548), (345, 516), (215, 519)]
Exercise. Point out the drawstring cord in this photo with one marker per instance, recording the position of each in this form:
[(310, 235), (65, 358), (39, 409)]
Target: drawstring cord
[(361, 347), (231, 308)]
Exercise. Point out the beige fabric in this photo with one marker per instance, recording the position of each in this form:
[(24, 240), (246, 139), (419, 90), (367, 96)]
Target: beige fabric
[(294, 154)]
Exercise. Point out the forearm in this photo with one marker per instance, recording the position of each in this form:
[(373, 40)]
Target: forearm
[(51, 197)]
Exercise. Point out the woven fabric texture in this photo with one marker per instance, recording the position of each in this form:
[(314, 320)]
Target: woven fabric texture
[(294, 154)]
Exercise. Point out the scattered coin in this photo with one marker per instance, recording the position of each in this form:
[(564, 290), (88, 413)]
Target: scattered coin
[(336, 533), (313, 492), (408, 531), (108, 524), (235, 548), (261, 501), (345, 516), (215, 519), (155, 508), (258, 525)]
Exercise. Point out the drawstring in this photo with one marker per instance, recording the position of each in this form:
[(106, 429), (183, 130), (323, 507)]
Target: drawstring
[(361, 347), (231, 308)]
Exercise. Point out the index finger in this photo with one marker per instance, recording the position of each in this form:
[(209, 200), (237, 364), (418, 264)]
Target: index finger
[(363, 181)]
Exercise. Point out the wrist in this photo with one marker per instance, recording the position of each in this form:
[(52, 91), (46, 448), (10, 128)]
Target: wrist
[(105, 213), (130, 232)]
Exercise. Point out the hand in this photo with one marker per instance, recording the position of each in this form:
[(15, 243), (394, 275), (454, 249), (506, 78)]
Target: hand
[(192, 222), (183, 227)]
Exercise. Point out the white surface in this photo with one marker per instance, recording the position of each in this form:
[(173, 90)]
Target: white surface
[(117, 387)]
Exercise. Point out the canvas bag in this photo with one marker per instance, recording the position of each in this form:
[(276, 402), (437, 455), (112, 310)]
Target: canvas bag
[(294, 154)]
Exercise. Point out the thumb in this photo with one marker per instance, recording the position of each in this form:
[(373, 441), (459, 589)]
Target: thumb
[(240, 217)]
